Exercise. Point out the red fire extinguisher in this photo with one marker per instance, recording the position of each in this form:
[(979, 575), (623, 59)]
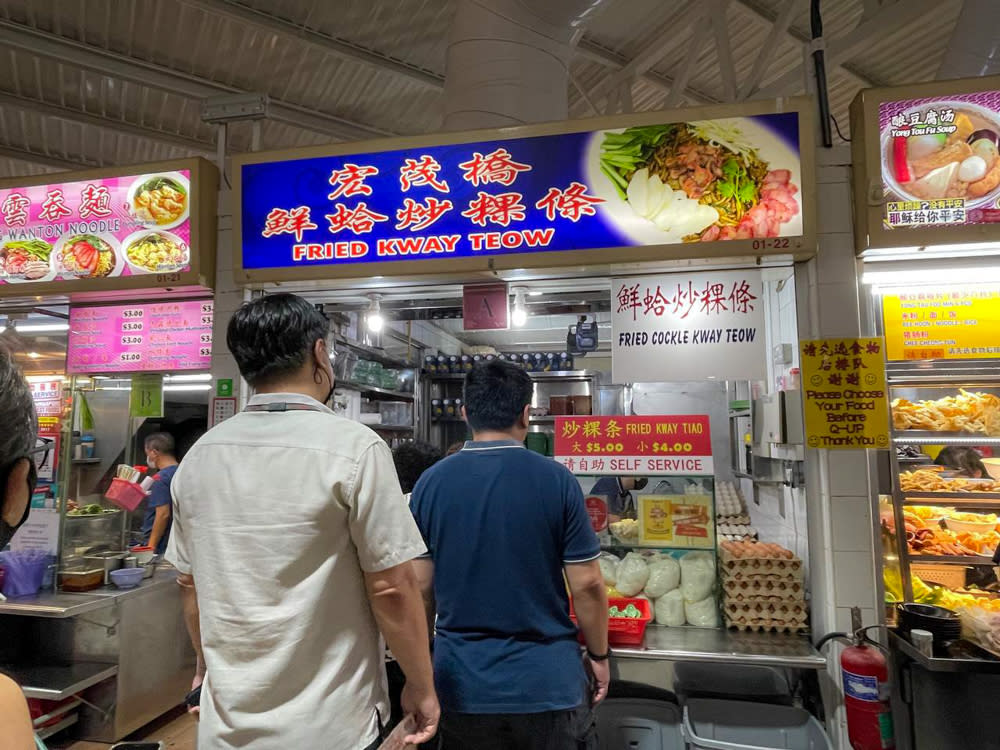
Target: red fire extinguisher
[(864, 673)]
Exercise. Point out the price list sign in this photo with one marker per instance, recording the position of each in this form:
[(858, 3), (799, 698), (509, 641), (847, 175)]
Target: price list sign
[(670, 445), (161, 337)]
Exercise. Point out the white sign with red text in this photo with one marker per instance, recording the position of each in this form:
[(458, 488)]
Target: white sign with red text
[(688, 326)]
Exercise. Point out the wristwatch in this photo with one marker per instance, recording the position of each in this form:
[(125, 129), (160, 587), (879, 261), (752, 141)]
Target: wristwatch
[(597, 657)]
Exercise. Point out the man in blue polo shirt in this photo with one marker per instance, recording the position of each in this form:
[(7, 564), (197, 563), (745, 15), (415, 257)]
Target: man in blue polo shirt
[(161, 455), (502, 526)]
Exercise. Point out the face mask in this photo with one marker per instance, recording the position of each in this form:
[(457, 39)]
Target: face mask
[(6, 530)]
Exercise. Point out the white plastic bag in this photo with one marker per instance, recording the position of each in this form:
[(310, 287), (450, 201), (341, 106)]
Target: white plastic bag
[(609, 568), (664, 576), (632, 574), (697, 575), (703, 614), (669, 609)]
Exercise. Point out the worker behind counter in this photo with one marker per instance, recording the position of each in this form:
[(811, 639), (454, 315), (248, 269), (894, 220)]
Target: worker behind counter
[(161, 455), (964, 460), (618, 491)]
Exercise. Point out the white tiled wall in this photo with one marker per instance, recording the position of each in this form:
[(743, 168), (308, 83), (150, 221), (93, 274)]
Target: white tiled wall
[(228, 298)]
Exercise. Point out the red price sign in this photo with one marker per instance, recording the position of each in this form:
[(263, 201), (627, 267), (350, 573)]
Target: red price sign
[(649, 446)]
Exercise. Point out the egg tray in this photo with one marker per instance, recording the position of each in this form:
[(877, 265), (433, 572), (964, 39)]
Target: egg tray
[(759, 565), (741, 520), (786, 612), (766, 587), (776, 598), (765, 625)]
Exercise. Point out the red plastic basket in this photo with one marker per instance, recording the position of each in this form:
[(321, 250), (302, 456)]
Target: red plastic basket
[(624, 631), (126, 495)]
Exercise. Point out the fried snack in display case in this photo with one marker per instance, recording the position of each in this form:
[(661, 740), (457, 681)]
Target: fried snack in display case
[(977, 413)]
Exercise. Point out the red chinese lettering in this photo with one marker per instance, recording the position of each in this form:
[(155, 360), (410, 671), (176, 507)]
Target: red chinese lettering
[(571, 203), (15, 210), (296, 221), (350, 181), (741, 297), (713, 299), (685, 299), (416, 216), (499, 209), (655, 302), (54, 206), (424, 171), (95, 200), (357, 220), (628, 299), (498, 166)]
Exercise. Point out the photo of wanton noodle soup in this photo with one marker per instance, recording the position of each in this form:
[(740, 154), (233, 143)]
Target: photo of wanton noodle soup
[(929, 164)]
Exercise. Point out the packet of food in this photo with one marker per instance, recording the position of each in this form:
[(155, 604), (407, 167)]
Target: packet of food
[(397, 739)]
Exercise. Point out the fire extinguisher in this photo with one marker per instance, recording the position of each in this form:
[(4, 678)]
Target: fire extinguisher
[(864, 672)]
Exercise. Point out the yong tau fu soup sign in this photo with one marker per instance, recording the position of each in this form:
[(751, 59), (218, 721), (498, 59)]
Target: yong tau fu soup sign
[(532, 196)]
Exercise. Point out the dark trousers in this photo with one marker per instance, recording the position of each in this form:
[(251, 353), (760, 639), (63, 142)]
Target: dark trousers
[(552, 730)]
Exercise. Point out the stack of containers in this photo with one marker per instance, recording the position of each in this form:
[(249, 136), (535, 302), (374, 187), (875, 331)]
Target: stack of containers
[(763, 588)]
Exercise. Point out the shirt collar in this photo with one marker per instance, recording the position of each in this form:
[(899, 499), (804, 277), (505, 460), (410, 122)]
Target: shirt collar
[(260, 399), (490, 445)]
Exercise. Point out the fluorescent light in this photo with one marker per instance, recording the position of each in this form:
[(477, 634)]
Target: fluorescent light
[(189, 387), (374, 319), (40, 327), (42, 378), (977, 275), (535, 293), (34, 355), (194, 378), (519, 316)]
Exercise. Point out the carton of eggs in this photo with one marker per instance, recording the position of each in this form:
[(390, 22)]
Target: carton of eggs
[(728, 501)]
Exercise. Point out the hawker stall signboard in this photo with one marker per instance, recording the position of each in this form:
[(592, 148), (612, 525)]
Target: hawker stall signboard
[(845, 404), (943, 322), (670, 445), (689, 326), (108, 230), (728, 181), (932, 157), (159, 337)]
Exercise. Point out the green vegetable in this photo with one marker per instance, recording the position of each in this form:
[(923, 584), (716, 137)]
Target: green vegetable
[(86, 415), (158, 183), (737, 185), (93, 509), (623, 153), (35, 248)]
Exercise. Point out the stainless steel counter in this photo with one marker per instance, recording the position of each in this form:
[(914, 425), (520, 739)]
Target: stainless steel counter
[(57, 682), (724, 646), (65, 604)]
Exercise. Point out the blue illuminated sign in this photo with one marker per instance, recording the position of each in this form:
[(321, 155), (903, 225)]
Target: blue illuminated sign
[(737, 178)]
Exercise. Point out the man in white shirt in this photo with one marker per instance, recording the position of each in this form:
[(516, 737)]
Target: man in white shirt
[(293, 526)]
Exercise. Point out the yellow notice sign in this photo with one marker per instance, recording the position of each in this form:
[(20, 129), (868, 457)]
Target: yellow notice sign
[(948, 322), (845, 402), (679, 521)]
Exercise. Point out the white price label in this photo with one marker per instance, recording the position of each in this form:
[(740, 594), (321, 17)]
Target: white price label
[(132, 312), (131, 340), (132, 326), (131, 356), (206, 338), (206, 320), (205, 351), (207, 307)]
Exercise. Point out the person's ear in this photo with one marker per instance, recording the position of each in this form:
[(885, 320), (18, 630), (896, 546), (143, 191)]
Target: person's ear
[(16, 495), (525, 417), (465, 414)]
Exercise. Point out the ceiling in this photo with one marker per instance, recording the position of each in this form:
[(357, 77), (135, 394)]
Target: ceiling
[(105, 82)]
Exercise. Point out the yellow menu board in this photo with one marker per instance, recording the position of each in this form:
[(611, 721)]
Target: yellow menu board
[(844, 389), (948, 322), (681, 521)]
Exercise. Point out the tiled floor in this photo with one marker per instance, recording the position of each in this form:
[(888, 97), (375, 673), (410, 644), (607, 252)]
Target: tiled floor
[(177, 731)]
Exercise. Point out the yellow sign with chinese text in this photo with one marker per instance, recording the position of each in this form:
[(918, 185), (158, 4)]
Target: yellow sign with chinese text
[(948, 322), (678, 521), (845, 396)]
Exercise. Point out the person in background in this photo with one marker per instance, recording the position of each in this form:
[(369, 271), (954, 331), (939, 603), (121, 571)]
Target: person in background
[(962, 459), (506, 529), (618, 491), (411, 459), (17, 483), (290, 523), (161, 456), (454, 448)]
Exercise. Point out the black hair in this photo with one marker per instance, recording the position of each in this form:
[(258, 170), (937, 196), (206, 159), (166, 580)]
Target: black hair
[(272, 337), (17, 412), (412, 460), (162, 442), (965, 460), (495, 395)]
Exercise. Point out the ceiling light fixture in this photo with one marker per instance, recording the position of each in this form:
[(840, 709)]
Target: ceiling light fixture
[(40, 327), (193, 378), (519, 316), (189, 387), (375, 320)]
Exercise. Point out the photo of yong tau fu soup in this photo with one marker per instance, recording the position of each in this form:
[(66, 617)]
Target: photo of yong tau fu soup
[(933, 166)]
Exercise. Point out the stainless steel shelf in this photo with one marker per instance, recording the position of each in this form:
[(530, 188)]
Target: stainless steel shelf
[(376, 355), (56, 683), (86, 461), (724, 647), (541, 376), (45, 732), (926, 437), (967, 657), (987, 499), (952, 559), (392, 427), (371, 390)]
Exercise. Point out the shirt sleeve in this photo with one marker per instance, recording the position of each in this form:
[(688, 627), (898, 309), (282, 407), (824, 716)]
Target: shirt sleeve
[(159, 493), (382, 527), (178, 541), (418, 507), (580, 543)]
